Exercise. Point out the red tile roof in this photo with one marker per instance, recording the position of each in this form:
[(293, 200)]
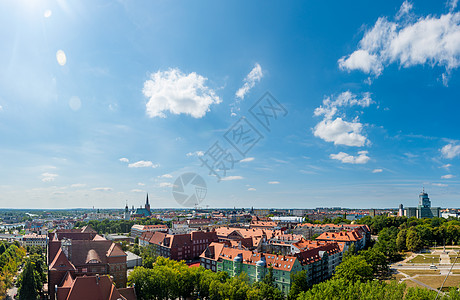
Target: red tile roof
[(342, 236), (278, 262), (92, 288), (61, 263)]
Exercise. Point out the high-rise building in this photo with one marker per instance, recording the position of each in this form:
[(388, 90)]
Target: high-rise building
[(424, 209)]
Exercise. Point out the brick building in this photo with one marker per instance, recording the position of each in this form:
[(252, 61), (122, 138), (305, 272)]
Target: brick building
[(319, 263), (178, 246), (92, 288), (82, 252)]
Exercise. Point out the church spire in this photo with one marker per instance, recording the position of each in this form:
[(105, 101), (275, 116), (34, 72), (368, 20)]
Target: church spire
[(147, 204)]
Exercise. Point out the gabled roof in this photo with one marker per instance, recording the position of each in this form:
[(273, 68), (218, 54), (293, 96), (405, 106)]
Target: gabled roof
[(88, 228), (61, 263), (68, 280), (213, 251), (92, 288), (342, 236), (315, 254), (115, 250), (277, 262)]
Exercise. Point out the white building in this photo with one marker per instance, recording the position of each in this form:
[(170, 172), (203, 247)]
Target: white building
[(138, 230), (34, 239)]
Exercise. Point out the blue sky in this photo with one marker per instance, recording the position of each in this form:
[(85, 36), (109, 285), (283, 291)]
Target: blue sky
[(101, 102)]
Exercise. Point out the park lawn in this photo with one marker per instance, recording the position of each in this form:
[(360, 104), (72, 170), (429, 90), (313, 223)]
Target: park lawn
[(411, 272), (436, 281), (455, 271), (425, 259), (410, 283), (396, 277)]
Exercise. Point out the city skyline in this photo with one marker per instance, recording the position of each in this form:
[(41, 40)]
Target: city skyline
[(101, 103)]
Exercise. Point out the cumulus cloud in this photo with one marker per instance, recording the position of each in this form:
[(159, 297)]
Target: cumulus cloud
[(335, 129), (247, 159), (362, 60), (345, 158), (124, 159), (448, 176), (102, 189), (137, 191), (143, 164), (273, 182), (196, 153), (228, 178), (252, 189), (340, 132), (446, 166), (440, 184), (140, 184), (450, 150), (377, 171), (48, 177), (165, 184), (408, 41), (250, 81), (1, 108), (178, 93)]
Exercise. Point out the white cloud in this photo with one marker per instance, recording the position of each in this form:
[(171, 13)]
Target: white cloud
[(337, 130), (166, 176), (448, 176), (247, 159), (165, 184), (408, 41), (446, 166), (377, 171), (252, 189), (452, 4), (1, 108), (273, 182), (140, 184), (450, 150), (196, 153), (404, 10), (250, 81), (78, 185), (124, 159), (143, 164), (48, 177), (228, 178), (362, 157), (440, 184), (102, 189), (178, 93), (341, 132), (137, 191), (362, 60)]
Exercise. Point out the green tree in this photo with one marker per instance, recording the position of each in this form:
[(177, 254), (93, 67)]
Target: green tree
[(413, 240), (28, 284), (401, 240), (378, 262), (299, 284), (354, 268)]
